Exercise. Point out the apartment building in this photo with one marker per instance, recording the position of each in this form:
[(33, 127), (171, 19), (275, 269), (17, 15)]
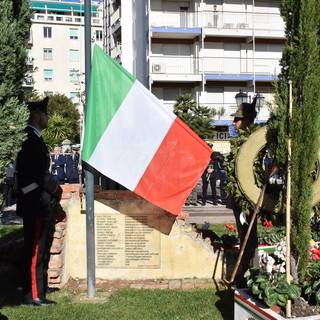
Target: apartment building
[(208, 48), (56, 46)]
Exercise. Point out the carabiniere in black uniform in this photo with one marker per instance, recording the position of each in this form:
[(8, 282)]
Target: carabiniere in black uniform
[(37, 194)]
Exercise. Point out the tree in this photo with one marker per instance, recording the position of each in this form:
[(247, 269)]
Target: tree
[(15, 24), (301, 65), (198, 118), (59, 129), (64, 121)]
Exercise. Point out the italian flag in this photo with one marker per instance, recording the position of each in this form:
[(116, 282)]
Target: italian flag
[(132, 138)]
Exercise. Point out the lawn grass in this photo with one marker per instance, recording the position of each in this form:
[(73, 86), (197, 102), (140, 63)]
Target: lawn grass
[(8, 233), (123, 304), (133, 304)]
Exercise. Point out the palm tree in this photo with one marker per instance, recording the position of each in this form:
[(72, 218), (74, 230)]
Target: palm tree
[(196, 117), (59, 129), (184, 104)]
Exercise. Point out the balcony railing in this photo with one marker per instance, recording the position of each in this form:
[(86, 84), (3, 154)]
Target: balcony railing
[(218, 65), (115, 16), (54, 18), (219, 20)]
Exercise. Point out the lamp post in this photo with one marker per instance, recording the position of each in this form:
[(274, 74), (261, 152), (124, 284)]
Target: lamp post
[(259, 98), (241, 97)]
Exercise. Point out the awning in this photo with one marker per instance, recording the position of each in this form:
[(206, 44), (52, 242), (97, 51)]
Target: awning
[(61, 7), (221, 146)]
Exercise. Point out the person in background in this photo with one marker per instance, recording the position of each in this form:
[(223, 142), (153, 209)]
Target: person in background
[(72, 166), (210, 176), (37, 197), (222, 176), (193, 197), (58, 162)]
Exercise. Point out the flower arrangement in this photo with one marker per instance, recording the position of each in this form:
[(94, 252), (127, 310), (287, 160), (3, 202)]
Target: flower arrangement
[(314, 250), (270, 234), (231, 238), (231, 227)]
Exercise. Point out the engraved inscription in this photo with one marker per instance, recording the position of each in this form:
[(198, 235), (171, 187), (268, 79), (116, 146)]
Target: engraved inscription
[(124, 241)]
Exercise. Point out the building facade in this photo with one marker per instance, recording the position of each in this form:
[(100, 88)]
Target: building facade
[(56, 46), (208, 48)]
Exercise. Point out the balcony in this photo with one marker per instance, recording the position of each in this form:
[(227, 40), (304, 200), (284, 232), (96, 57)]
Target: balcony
[(235, 23), (116, 51), (218, 68), (69, 19), (115, 16)]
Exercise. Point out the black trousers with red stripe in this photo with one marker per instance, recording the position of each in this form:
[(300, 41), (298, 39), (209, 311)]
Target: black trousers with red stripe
[(205, 184), (36, 230)]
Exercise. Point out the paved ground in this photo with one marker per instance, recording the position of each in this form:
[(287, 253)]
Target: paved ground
[(9, 217), (208, 213), (111, 285)]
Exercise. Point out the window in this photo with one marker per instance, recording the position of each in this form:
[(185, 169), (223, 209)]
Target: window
[(99, 35), (74, 55), (74, 97), (47, 32), (47, 54), (73, 33), (74, 75), (48, 93), (47, 74)]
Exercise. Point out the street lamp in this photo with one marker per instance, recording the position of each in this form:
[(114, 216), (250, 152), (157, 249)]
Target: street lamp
[(259, 101), (241, 97)]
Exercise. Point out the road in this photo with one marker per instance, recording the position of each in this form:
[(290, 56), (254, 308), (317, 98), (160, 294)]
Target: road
[(208, 213)]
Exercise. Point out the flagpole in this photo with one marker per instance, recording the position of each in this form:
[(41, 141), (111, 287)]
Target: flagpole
[(91, 276)]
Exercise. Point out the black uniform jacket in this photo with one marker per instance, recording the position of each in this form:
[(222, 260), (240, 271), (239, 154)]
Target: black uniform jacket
[(212, 175), (36, 188), (72, 167)]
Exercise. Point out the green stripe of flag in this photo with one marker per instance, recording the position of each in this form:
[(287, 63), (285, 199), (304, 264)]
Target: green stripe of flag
[(109, 85)]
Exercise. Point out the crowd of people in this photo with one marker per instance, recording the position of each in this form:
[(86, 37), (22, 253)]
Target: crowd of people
[(65, 167), (215, 176)]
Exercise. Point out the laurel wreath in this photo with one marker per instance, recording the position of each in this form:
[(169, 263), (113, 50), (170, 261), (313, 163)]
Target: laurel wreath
[(232, 187)]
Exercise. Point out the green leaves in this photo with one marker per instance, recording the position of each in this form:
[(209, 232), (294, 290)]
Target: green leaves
[(272, 288), (295, 291), (232, 186), (198, 118), (14, 30)]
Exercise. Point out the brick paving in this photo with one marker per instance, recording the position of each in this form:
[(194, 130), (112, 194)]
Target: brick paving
[(112, 285)]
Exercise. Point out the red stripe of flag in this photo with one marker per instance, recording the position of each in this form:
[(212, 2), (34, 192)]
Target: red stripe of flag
[(175, 168)]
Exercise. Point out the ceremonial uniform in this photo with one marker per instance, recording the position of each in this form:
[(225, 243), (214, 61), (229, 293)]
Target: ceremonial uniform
[(243, 118), (212, 179), (37, 193), (57, 168), (72, 164)]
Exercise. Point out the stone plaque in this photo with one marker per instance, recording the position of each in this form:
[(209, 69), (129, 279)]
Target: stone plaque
[(127, 241)]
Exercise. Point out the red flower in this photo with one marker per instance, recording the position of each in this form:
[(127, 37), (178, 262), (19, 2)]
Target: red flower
[(231, 227), (267, 224), (315, 257)]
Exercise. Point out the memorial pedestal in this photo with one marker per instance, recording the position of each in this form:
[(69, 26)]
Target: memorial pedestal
[(136, 240)]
